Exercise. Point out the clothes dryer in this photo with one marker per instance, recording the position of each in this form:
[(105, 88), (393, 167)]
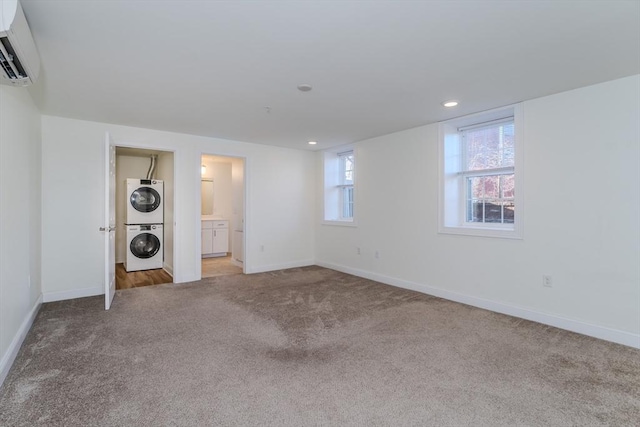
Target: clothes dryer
[(144, 247), (145, 201)]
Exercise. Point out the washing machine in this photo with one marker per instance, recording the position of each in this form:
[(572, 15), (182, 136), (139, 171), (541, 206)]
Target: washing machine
[(144, 247), (145, 201)]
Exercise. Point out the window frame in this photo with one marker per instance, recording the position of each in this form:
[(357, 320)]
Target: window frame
[(345, 185), (337, 187), (466, 174), (452, 198)]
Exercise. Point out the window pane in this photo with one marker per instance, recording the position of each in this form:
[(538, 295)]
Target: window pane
[(475, 187), (484, 203), (490, 147), (348, 161), (346, 169), (509, 212), (493, 211), (507, 185), (491, 187), (347, 202), (475, 210), (485, 187)]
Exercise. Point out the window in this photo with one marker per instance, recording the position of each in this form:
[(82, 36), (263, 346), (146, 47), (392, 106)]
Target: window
[(488, 172), (481, 174), (339, 180), (346, 185)]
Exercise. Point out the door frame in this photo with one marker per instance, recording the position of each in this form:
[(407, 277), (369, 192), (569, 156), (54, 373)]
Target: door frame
[(177, 268), (108, 228), (245, 213)]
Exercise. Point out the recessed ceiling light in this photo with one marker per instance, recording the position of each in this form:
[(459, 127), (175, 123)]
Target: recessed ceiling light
[(304, 88), (450, 104), (312, 142)]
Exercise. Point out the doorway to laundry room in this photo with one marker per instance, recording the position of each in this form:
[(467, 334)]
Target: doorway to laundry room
[(144, 217), (222, 191)]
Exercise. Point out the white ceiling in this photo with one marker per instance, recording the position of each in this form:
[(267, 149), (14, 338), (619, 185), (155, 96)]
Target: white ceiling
[(211, 67)]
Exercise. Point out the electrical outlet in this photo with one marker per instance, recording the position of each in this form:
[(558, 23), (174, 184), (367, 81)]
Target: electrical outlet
[(261, 248), (547, 281), (377, 254), (358, 250)]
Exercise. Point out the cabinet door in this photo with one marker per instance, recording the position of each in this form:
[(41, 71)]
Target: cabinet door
[(220, 240), (207, 241)]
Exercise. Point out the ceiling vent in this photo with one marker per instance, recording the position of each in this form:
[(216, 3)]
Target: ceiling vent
[(19, 60)]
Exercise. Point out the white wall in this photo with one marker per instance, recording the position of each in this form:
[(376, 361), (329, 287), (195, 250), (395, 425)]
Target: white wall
[(279, 212), (581, 218), (237, 178), (165, 172), (236, 227), (220, 173), (20, 220)]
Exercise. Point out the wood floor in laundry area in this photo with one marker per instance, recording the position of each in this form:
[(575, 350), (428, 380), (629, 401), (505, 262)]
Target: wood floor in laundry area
[(137, 279), (211, 267)]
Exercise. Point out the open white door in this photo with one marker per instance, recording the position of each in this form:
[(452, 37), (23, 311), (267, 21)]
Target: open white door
[(109, 227)]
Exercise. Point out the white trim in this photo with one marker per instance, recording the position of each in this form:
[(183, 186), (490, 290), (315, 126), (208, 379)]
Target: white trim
[(487, 124), (10, 355), (509, 170), (74, 293), (479, 231), (180, 276), (584, 328), (246, 214), (338, 222), (177, 271), (282, 266), (166, 267), (109, 262), (332, 179), (247, 228), (448, 129), (345, 153)]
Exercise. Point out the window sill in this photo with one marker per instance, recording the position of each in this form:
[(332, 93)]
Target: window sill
[(339, 223), (500, 233)]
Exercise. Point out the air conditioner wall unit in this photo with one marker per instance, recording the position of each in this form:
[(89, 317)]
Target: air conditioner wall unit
[(19, 60)]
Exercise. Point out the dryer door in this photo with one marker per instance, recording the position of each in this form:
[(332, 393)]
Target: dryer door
[(145, 245), (145, 199)]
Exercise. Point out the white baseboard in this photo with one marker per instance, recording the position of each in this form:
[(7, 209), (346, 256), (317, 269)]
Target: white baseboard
[(168, 268), (215, 255), (236, 263), (75, 293), (283, 266), (10, 355), (596, 331)]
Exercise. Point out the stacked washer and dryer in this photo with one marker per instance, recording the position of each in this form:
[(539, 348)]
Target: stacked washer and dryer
[(144, 223)]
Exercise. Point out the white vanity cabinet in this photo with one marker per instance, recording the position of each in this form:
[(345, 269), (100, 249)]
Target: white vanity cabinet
[(215, 238)]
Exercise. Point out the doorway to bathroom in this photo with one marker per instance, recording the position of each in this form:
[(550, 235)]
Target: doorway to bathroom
[(222, 189)]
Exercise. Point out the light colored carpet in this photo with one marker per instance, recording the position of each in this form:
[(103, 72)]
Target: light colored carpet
[(309, 346)]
